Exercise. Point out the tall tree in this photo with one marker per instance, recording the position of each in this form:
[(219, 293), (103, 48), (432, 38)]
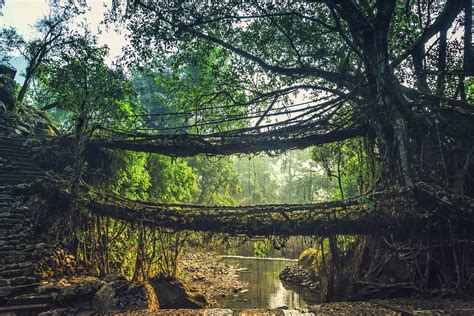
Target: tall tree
[(54, 35), (363, 54), (81, 83)]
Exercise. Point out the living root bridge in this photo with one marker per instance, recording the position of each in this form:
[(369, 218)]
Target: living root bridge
[(187, 145), (397, 211)]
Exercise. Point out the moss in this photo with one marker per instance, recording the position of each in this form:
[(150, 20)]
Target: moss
[(310, 261)]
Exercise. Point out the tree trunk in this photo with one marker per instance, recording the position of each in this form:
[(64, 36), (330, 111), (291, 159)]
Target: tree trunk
[(26, 83), (392, 131), (139, 258), (80, 143), (22, 93)]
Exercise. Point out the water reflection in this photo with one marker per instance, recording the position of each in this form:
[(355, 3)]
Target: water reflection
[(265, 289)]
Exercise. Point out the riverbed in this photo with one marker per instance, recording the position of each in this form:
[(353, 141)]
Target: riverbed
[(264, 288)]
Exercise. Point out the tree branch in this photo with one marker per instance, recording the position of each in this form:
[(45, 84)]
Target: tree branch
[(443, 21), (291, 72)]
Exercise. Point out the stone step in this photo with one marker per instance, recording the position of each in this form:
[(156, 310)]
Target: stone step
[(15, 256), (18, 247), (12, 175), (16, 181), (33, 309), (22, 163), (25, 177), (14, 210), (11, 221), (15, 230), (17, 152), (6, 139), (30, 299), (10, 153), (15, 245), (5, 190), (18, 265), (25, 160), (11, 142), (10, 291), (23, 280), (11, 146), (18, 277), (11, 215), (29, 271), (21, 172), (14, 224), (23, 246), (15, 157), (19, 236), (13, 167), (13, 207), (4, 178), (6, 144), (12, 253), (12, 241)]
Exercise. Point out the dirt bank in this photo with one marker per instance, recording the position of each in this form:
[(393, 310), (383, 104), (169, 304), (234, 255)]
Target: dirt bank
[(205, 273)]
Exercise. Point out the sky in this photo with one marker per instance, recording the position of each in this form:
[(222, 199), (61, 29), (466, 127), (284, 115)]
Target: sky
[(22, 14)]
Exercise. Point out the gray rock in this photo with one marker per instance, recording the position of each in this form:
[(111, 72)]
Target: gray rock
[(4, 282), (104, 299), (7, 70), (121, 296), (40, 246), (172, 293)]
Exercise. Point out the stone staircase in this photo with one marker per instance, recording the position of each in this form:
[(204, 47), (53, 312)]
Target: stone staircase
[(16, 164), (17, 249)]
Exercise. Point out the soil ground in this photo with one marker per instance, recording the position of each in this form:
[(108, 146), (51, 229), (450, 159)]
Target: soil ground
[(402, 307), (205, 273)]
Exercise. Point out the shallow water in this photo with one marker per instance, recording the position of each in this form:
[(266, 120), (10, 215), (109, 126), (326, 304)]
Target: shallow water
[(265, 289)]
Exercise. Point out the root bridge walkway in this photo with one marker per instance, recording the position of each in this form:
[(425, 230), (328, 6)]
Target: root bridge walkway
[(407, 211), (410, 210)]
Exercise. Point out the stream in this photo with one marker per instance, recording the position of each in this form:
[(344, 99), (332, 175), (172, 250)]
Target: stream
[(265, 289)]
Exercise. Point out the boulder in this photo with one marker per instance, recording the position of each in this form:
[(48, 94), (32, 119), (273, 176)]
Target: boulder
[(79, 294), (123, 296), (7, 86), (8, 71), (174, 294), (7, 91), (104, 299)]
